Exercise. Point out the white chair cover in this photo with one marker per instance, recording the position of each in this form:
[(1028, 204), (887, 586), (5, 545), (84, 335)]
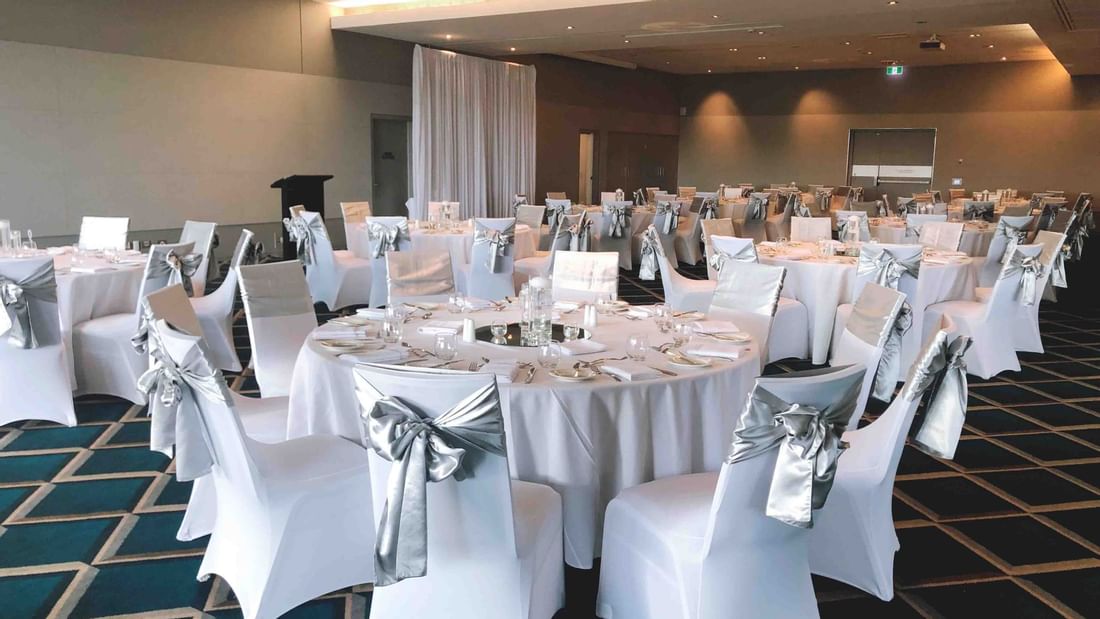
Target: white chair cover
[(278, 506), (748, 295), (779, 226), (942, 235), (914, 223), (532, 216), (842, 218), (215, 311), (34, 375), (97, 233), (667, 221), (201, 233), (714, 227), (702, 546), (1026, 336), (491, 271), (688, 240), (681, 294), (380, 232), (754, 225), (280, 317), (355, 213), (1010, 232), (337, 280), (585, 276), (811, 229), (490, 547), (419, 276), (615, 231), (865, 336)]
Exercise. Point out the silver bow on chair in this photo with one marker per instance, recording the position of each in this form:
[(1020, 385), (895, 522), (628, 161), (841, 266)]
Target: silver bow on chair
[(719, 258), (809, 446), (1078, 233), (423, 449), (842, 226), (940, 377), (1030, 270), (253, 254), (580, 234), (1013, 236), (518, 200), (976, 210), (555, 213), (176, 423), (183, 268), (650, 248), (824, 200), (708, 209), (671, 210), (296, 232), (1058, 270), (497, 240), (888, 371), (884, 267), (801, 210), (639, 197), (14, 296), (619, 222), (757, 208), (385, 238)]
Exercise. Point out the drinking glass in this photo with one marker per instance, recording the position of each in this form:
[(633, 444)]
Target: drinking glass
[(661, 316), (681, 333), (572, 331), (456, 303), (637, 346), (392, 328), (446, 348), (549, 355), (499, 328), (603, 304)]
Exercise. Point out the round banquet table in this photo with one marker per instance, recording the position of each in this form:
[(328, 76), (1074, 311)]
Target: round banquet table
[(823, 284), (975, 237), (587, 440)]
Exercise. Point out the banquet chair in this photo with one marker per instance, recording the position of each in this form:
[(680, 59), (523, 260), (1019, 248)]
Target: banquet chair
[(687, 241), (490, 273), (34, 374), (337, 279), (585, 276), (556, 195), (384, 234), (215, 311), (105, 361), (1011, 231), (853, 539), (532, 217), (607, 196), (905, 206), (570, 231), (779, 226), (914, 222), (297, 210), (747, 293), (941, 235), (280, 318), (714, 227), (555, 210), (279, 506), (98, 233), (666, 219), (823, 198), (790, 333), (651, 193), (866, 333), (989, 322), (418, 276), (491, 546), (616, 232), (956, 193), (680, 293), (355, 213), (685, 192), (707, 545), (1020, 210), (263, 419), (979, 209), (754, 224), (202, 234), (844, 217), (811, 229)]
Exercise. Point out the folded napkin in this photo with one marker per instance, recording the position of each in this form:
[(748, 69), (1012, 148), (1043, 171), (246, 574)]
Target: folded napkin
[(566, 306), (377, 356), (506, 370), (721, 350), (629, 370), (581, 347), (371, 313), (59, 251), (475, 304), (640, 312), (435, 327), (341, 332), (92, 268), (715, 326)]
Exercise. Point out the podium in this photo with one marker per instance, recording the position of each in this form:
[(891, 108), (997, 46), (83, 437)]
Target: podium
[(306, 190)]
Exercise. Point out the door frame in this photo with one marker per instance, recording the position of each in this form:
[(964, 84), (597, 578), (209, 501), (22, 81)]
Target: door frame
[(935, 148), (408, 147), (597, 163)]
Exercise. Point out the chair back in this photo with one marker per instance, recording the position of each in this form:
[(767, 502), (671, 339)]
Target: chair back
[(711, 228), (157, 272), (297, 210), (870, 208), (41, 302), (555, 195), (379, 229), (753, 564), (616, 230), (1012, 230), (531, 215), (900, 253), (170, 304), (321, 270), (748, 294), (810, 229), (956, 193), (98, 233), (650, 194), (201, 233), (355, 213), (915, 221), (585, 276), (941, 235), (280, 318), (842, 218), (492, 259), (864, 337), (1016, 210), (226, 294), (418, 276), (607, 196), (1007, 290), (667, 209), (685, 192)]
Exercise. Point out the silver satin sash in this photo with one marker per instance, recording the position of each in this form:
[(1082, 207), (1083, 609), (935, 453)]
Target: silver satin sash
[(651, 245), (384, 238), (1012, 235), (176, 423), (1030, 270), (15, 295), (884, 267), (1058, 270), (579, 234), (809, 444), (906, 206), (974, 210), (801, 210), (1079, 233), (672, 216), (719, 258), (253, 254), (518, 200), (940, 377), (497, 240), (842, 227), (618, 221), (554, 213), (639, 197), (1047, 216), (296, 230), (757, 208), (708, 209), (424, 449), (824, 200), (882, 208), (888, 371), (178, 268)]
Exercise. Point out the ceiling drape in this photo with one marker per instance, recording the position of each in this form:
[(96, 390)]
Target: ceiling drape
[(473, 133)]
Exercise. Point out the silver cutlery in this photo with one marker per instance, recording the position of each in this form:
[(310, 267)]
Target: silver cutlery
[(665, 372)]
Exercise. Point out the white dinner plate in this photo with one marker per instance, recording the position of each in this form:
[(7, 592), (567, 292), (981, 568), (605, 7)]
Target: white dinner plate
[(570, 375), (684, 361), (350, 346), (739, 337)]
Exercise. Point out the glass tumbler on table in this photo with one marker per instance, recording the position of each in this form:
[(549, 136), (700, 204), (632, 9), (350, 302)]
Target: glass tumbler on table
[(636, 347), (446, 348), (549, 355)]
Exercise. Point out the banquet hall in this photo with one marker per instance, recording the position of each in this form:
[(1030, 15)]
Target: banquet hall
[(549, 309)]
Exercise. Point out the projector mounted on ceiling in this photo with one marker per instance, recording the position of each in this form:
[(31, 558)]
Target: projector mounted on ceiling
[(933, 43)]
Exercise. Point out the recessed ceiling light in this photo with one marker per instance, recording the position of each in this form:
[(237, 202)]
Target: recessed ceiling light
[(733, 49), (761, 32), (796, 67), (714, 16), (569, 27), (668, 62), (708, 70), (975, 35), (761, 57), (626, 40), (869, 53), (1003, 58), (892, 2), (847, 42)]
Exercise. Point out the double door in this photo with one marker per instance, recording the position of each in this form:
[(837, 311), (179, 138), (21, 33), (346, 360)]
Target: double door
[(637, 160)]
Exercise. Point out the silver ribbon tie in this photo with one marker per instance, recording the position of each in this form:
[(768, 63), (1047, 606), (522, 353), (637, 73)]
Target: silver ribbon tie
[(940, 377), (883, 267), (824, 200), (424, 449), (579, 234), (975, 210), (1030, 270), (889, 366), (651, 245), (708, 209), (1012, 235), (757, 208), (298, 233), (618, 220), (555, 213), (719, 258), (15, 295), (498, 241), (183, 268), (809, 446), (385, 238), (671, 211)]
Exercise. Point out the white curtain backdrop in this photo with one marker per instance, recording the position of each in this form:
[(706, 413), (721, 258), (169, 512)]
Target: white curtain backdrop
[(473, 133)]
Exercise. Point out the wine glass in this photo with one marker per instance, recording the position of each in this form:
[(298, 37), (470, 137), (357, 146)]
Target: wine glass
[(571, 331), (681, 333), (456, 303), (392, 329), (637, 346), (446, 348), (549, 355), (499, 328)]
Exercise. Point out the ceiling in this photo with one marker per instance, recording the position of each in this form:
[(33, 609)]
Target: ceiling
[(720, 36)]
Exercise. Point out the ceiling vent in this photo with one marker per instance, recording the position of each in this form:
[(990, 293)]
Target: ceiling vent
[(1078, 15)]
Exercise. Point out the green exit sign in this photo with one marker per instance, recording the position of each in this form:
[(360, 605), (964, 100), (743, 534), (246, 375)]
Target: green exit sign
[(895, 70)]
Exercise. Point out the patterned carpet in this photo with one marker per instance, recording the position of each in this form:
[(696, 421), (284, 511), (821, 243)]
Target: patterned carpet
[(1011, 527)]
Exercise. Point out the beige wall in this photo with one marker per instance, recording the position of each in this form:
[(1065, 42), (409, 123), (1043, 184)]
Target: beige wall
[(1024, 125)]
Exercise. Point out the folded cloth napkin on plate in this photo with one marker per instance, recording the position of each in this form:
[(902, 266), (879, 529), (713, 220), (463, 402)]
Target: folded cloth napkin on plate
[(505, 369), (629, 370), (566, 306), (581, 347), (639, 312), (720, 350), (59, 251), (474, 303), (435, 327), (715, 326), (377, 356), (340, 332), (92, 268), (371, 313)]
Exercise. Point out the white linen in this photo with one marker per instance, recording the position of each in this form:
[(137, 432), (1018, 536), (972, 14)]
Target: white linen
[(720, 350), (975, 241), (630, 370), (581, 347), (376, 356), (715, 326), (436, 327), (332, 331), (506, 370)]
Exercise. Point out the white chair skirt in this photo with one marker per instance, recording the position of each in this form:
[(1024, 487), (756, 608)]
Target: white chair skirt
[(105, 361), (36, 384)]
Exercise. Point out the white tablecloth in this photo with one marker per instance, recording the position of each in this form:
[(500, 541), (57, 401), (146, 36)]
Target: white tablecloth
[(975, 236), (822, 284), (589, 441)]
